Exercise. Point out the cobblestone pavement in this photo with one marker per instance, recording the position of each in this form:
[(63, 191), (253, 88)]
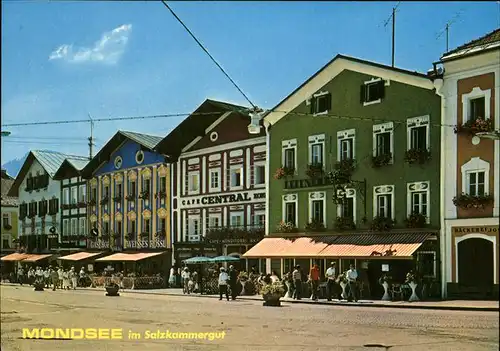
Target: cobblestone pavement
[(246, 323)]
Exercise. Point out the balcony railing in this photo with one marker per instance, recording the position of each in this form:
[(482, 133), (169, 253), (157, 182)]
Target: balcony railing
[(235, 234)]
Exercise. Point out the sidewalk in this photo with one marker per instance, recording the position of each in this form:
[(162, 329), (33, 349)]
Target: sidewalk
[(450, 305)]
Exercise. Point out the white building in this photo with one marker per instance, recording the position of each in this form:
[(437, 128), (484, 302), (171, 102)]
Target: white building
[(470, 90), (39, 200)]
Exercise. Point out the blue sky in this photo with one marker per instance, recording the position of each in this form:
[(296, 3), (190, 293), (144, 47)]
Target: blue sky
[(149, 65)]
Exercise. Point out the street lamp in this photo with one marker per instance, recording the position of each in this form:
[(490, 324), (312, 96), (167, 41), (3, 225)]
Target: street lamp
[(495, 135)]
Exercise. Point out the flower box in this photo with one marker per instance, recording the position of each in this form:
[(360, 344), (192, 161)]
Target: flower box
[(91, 202), (382, 223), (104, 200), (472, 127), (272, 293), (344, 223), (416, 220), (130, 197), (343, 171), (7, 226), (130, 236), (467, 201), (144, 235), (284, 172), (419, 156), (81, 205), (117, 199), (315, 226), (144, 195), (381, 160), (314, 170), (160, 194), (286, 227)]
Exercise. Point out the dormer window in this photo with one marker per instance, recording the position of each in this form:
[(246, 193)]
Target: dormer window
[(321, 103), (372, 91)]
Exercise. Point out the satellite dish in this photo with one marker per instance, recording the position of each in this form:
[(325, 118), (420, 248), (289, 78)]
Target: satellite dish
[(52, 230), (94, 232)]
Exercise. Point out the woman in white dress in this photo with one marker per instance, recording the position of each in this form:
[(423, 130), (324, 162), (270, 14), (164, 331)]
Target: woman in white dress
[(65, 280)]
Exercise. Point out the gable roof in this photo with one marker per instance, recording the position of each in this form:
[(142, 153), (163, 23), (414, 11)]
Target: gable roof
[(7, 200), (488, 41), (333, 68), (146, 141), (76, 165), (49, 160), (195, 125)]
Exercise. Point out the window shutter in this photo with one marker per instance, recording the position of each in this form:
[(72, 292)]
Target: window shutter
[(186, 182), (329, 101), (228, 178), (381, 89), (313, 105), (362, 93), (252, 175)]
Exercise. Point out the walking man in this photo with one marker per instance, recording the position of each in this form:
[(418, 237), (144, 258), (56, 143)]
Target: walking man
[(314, 276), (55, 279), (352, 276), (186, 276), (233, 279), (20, 275), (297, 282), (331, 274), (74, 278), (223, 278)]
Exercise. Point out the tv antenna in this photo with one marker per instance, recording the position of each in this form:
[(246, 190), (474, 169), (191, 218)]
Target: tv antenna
[(91, 138), (393, 17), (446, 30)]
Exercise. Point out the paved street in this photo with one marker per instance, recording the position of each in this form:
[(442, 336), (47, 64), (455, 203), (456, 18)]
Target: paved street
[(246, 323)]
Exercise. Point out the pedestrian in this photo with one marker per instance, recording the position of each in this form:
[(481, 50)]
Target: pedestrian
[(297, 282), (66, 280), (314, 276), (171, 278), (55, 279), (20, 275), (31, 276), (233, 280), (352, 276), (223, 278), (82, 277), (274, 277), (331, 286), (74, 278), (186, 277), (46, 277), (61, 277)]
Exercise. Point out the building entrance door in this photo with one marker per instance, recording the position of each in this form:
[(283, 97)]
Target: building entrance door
[(475, 262)]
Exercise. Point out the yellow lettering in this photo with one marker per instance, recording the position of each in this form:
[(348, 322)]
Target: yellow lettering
[(47, 333), (91, 333), (117, 334), (31, 333), (78, 334), (103, 334)]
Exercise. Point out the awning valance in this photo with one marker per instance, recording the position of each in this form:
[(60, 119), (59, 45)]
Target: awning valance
[(79, 256), (35, 258), (366, 245), (16, 256), (129, 257)]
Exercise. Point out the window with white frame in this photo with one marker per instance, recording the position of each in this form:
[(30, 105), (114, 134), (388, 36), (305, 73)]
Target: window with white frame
[(66, 196), (289, 154), (146, 185), (66, 227), (83, 229), (146, 225), (236, 177), (259, 174), (6, 241), (215, 180), (74, 195), (347, 208), (383, 201), (476, 105), (119, 228), (345, 144), (106, 191), (317, 210), (418, 133), (477, 108), (237, 219), (321, 103), (6, 220), (83, 194), (193, 182), (475, 177), (427, 265), (383, 139), (316, 149), (372, 91), (259, 219), (290, 209), (418, 199), (105, 228), (194, 226), (74, 226), (214, 221)]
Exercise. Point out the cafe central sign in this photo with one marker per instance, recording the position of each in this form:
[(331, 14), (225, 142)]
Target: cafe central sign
[(224, 199)]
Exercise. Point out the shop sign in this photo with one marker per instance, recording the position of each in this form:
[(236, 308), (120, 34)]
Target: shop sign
[(98, 244), (306, 183), (145, 244), (241, 241), (224, 199), (492, 230)]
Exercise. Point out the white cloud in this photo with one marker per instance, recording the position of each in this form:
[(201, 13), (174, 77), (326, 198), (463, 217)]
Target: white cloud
[(107, 50)]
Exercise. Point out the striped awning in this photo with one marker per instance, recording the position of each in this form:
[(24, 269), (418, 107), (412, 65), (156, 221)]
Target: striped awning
[(79, 256), (129, 257), (364, 245), (35, 258), (16, 256)]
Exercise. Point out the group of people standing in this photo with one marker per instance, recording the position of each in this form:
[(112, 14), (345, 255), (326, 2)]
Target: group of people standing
[(57, 277)]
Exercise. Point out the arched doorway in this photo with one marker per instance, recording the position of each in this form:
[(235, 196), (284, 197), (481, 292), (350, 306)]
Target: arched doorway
[(475, 262)]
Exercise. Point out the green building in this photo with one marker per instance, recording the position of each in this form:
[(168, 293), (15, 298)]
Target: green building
[(354, 173)]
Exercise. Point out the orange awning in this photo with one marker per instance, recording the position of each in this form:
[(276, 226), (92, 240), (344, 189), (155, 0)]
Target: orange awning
[(373, 251), (289, 247), (15, 257), (80, 256), (34, 258), (130, 257)]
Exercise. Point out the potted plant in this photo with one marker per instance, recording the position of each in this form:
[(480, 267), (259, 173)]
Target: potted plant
[(130, 197), (419, 156), (115, 235), (117, 198), (474, 126), (411, 280), (104, 200), (342, 281), (272, 293), (144, 195), (81, 204), (315, 226), (144, 236), (381, 160), (314, 170), (382, 223), (416, 220), (161, 234), (467, 201), (7, 226), (385, 281), (160, 194), (91, 202), (344, 223), (286, 227), (130, 236), (283, 172), (105, 236)]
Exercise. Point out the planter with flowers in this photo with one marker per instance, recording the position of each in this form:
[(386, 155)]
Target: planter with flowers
[(81, 204), (104, 200), (385, 281), (7, 226), (343, 171), (419, 156), (474, 126), (342, 281), (272, 293), (467, 201), (105, 236), (117, 198), (416, 220), (161, 194), (344, 223), (382, 223), (130, 236), (91, 202), (283, 172), (286, 227), (381, 160), (411, 280), (144, 236), (314, 170), (144, 195), (130, 197), (315, 226)]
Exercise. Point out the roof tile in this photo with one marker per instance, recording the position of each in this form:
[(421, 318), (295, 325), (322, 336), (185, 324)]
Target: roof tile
[(147, 140)]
